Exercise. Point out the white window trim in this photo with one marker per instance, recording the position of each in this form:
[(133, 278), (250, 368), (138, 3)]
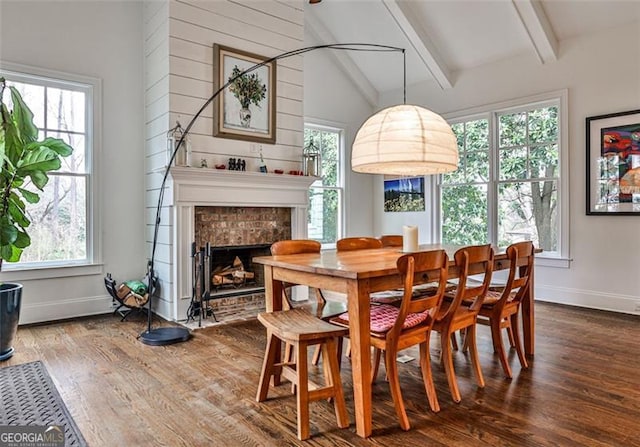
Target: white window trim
[(314, 123), (93, 265), (562, 259)]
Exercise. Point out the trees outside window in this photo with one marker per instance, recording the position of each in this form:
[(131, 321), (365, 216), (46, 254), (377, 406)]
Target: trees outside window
[(508, 184), (326, 194), (59, 221)]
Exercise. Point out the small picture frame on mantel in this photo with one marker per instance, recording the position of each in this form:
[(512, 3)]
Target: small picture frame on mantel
[(246, 108)]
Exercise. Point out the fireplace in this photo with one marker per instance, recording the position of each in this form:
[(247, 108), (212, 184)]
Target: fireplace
[(249, 209)]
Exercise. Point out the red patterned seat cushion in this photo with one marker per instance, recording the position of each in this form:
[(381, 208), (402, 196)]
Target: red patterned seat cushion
[(384, 316)]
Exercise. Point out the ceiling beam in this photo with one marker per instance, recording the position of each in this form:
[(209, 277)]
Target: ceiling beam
[(538, 27), (420, 42), (342, 59)]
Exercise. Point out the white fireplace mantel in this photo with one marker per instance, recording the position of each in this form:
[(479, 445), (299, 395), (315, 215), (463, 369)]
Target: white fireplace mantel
[(191, 187)]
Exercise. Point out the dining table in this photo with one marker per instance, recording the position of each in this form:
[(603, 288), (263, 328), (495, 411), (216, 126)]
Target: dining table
[(357, 274)]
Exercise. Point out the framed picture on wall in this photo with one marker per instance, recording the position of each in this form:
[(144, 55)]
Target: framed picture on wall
[(403, 194), (613, 163), (246, 108)]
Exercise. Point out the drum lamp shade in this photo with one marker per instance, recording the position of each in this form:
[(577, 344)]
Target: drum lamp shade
[(405, 140)]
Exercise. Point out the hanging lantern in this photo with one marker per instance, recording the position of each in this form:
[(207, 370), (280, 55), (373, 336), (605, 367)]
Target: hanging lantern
[(183, 156), (311, 164)]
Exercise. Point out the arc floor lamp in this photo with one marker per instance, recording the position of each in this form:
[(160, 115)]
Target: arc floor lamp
[(402, 140)]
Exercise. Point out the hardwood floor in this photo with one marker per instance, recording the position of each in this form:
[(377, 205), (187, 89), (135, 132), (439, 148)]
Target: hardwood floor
[(582, 388)]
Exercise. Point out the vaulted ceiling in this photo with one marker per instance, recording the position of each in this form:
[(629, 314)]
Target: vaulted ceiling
[(445, 37)]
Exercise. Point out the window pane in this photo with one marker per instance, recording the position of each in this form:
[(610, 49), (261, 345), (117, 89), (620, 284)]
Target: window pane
[(528, 211), (513, 163), (543, 125), (477, 166), (477, 133), (324, 218), (329, 143), (513, 129), (544, 161), (458, 175), (65, 110), (75, 162), (58, 221), (464, 214)]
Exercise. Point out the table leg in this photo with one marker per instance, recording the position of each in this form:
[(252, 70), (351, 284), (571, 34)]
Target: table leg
[(358, 304), (273, 302), (528, 319)]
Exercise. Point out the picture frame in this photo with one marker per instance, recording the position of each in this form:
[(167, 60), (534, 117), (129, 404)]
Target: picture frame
[(613, 164), (246, 109), (403, 194)]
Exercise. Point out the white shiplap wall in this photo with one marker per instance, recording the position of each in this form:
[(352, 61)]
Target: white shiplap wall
[(179, 39)]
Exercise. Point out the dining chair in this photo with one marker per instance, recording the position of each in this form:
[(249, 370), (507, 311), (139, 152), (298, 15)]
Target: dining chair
[(501, 304), (453, 316), (320, 308), (394, 329), (364, 243), (300, 329), (391, 240)]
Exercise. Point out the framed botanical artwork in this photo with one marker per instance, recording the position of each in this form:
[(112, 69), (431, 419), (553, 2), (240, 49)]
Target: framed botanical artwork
[(403, 194), (246, 109), (613, 163)]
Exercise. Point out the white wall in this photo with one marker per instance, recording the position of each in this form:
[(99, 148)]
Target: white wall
[(179, 62), (602, 75), (331, 98), (99, 39)]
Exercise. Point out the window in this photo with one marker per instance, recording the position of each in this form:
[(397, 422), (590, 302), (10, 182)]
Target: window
[(510, 181), (61, 221), (326, 194)]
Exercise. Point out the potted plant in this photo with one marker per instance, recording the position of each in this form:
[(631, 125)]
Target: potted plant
[(25, 163), (247, 88)]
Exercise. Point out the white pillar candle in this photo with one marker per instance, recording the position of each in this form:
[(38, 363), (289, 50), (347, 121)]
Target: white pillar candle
[(409, 238)]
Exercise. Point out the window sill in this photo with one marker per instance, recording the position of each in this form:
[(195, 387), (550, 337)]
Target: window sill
[(564, 263), (26, 274)]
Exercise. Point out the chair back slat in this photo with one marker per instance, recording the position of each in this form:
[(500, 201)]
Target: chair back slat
[(427, 264), (357, 243), (295, 246), (521, 258), (476, 260), (391, 240)]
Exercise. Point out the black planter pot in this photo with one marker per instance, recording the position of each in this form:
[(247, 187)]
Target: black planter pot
[(10, 300)]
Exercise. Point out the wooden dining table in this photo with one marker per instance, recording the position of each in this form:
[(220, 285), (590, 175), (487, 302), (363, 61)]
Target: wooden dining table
[(358, 274)]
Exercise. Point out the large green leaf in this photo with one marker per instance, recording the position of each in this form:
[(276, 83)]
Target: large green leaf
[(36, 163), (8, 232), (23, 117), (39, 179), (10, 253), (16, 211), (23, 240), (13, 147), (29, 196), (55, 144)]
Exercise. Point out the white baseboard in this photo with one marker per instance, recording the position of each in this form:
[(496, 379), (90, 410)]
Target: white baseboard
[(61, 309), (588, 298)]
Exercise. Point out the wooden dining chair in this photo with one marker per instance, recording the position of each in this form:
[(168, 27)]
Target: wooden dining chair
[(501, 305), (394, 329), (364, 243), (391, 240), (453, 316), (357, 243), (298, 328), (320, 308)]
